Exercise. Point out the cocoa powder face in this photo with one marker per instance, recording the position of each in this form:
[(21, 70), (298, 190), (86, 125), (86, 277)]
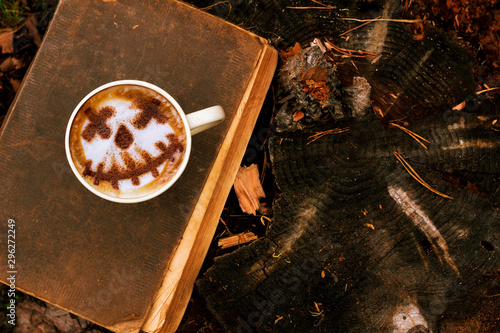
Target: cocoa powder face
[(127, 141)]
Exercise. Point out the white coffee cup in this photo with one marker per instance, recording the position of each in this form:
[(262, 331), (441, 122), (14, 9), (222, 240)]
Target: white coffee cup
[(193, 123)]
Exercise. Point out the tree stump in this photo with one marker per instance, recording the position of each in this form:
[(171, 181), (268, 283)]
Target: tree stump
[(374, 232)]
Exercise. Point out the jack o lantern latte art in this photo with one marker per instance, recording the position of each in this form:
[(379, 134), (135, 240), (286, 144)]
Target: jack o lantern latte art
[(127, 141)]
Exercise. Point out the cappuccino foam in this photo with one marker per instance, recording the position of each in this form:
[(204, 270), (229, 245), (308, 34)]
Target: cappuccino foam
[(127, 141)]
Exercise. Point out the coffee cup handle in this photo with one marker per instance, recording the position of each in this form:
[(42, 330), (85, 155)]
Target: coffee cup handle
[(204, 119)]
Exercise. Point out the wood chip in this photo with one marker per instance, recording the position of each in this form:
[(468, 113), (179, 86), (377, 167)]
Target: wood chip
[(459, 106), (369, 225), (376, 59), (298, 115), (318, 42), (249, 189)]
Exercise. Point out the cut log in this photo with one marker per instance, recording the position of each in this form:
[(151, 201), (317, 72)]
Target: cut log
[(356, 233), (358, 243)]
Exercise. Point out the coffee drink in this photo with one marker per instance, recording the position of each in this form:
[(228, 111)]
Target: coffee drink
[(127, 141)]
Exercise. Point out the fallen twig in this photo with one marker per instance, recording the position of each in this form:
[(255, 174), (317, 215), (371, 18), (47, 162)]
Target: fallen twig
[(415, 175), (217, 3), (348, 53), (381, 20), (412, 134), (321, 134), (323, 6), (359, 26), (225, 225), (486, 90)]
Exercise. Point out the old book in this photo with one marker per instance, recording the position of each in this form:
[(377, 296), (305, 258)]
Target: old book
[(126, 267)]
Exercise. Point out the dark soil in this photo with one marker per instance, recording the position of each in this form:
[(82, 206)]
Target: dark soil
[(475, 23)]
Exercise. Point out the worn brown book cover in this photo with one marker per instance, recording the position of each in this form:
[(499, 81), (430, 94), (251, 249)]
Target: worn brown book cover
[(124, 266)]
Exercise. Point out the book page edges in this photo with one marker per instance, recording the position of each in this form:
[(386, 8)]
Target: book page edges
[(172, 298)]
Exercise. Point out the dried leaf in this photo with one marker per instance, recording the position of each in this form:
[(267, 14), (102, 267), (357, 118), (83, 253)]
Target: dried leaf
[(6, 39), (33, 317), (16, 84), (314, 82), (317, 89), (32, 30), (9, 64), (317, 73), (286, 55)]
